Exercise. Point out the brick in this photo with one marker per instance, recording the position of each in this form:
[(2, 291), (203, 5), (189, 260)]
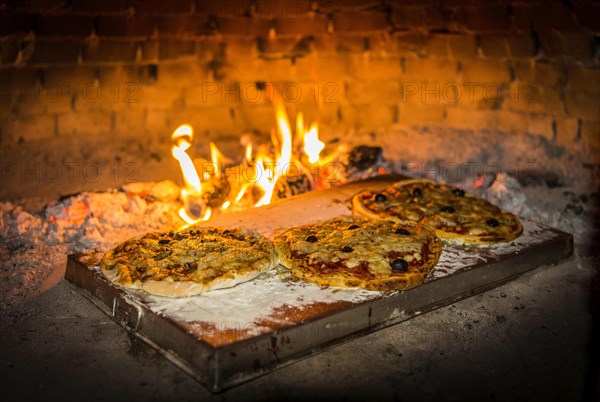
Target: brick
[(244, 26), (424, 16), (473, 120), (110, 50), (14, 80), (212, 93), (521, 46), (275, 48), (179, 75), (327, 68), (47, 52), (419, 114), (341, 43), (158, 120), (540, 124), (10, 50), (368, 117), (587, 16), (360, 67), (531, 98), (488, 19), (317, 93), (590, 137), (118, 76), (485, 71), (93, 97), (174, 49), (362, 22), (381, 43), (566, 131), (213, 121), (184, 25), (130, 122), (486, 95), (240, 48), (30, 128), (373, 92), (223, 8), (261, 70), (101, 7), (64, 25), (210, 48), (544, 18), (512, 122), (14, 23), (494, 47), (307, 24), (410, 45), (286, 10), (160, 7), (38, 5), (117, 26), (545, 74), (84, 123), (328, 6), (584, 79), (557, 45), (462, 47), (582, 105), (43, 101), (150, 50), (248, 71), (255, 117), (430, 70), (437, 46)]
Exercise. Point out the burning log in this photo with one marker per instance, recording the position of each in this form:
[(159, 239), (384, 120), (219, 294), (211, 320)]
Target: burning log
[(291, 185), (362, 162)]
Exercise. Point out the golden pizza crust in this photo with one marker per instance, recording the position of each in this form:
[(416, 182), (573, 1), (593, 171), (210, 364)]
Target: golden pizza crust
[(190, 262), (465, 224), (375, 245)]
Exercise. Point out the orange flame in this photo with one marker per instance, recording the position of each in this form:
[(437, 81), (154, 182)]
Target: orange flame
[(312, 145), (192, 211), (262, 166)]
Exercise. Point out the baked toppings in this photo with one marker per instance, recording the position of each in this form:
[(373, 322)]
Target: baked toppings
[(189, 262), (448, 209), (380, 197), (374, 257), (402, 231), (454, 215), (492, 222), (399, 265)]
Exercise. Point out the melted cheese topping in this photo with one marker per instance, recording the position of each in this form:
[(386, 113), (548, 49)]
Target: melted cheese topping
[(196, 255), (444, 208), (374, 246)]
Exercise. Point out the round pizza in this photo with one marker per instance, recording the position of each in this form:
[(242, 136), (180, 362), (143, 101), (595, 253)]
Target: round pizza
[(455, 216), (349, 252), (189, 262)]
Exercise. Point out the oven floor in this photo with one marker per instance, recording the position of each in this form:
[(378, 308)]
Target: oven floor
[(526, 340)]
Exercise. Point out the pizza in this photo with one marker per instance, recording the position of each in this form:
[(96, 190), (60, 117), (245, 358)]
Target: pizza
[(455, 216), (360, 253), (189, 262)]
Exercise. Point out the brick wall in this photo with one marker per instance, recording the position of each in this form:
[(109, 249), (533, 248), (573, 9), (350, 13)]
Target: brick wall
[(74, 69)]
